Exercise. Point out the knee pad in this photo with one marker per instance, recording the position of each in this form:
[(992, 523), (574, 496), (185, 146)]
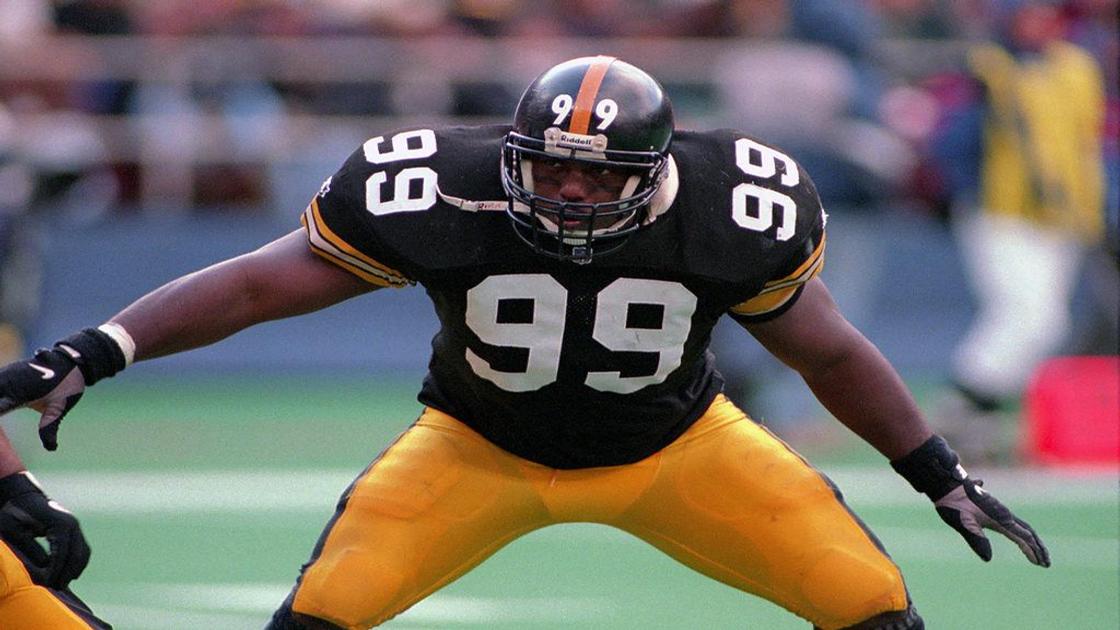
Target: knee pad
[(847, 585)]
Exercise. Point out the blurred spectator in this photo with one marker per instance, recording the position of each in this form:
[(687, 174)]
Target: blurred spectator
[(365, 95), (211, 98), (97, 18), (19, 244), (484, 19), (1093, 25), (24, 19), (61, 146), (927, 19), (101, 96), (1023, 160), (586, 18), (822, 56)]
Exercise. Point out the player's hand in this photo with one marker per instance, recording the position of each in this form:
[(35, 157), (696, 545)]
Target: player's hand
[(26, 514), (969, 509), (50, 383), (934, 469)]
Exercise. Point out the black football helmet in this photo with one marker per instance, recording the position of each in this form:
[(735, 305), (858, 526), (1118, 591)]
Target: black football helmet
[(602, 113)]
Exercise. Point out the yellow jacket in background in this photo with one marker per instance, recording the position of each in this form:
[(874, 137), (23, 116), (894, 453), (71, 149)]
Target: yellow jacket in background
[(1042, 146)]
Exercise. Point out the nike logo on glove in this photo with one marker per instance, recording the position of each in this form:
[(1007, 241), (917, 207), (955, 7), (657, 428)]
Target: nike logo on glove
[(47, 373)]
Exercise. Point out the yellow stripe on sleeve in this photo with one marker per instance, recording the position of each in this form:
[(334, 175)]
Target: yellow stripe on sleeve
[(331, 247), (765, 302), (776, 293), (804, 273), (342, 245)]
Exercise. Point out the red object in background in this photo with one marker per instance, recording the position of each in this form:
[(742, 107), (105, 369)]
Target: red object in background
[(1072, 409)]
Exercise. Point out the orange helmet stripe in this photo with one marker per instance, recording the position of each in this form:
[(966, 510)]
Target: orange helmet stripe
[(588, 90)]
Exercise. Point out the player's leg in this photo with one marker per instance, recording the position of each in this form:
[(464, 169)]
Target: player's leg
[(1017, 325), (25, 605), (734, 503), (435, 504)]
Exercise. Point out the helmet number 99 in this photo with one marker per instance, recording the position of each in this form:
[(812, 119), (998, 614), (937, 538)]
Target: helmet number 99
[(561, 106), (606, 110)]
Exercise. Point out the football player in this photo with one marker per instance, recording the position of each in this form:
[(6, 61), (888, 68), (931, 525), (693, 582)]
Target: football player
[(577, 261), (34, 591)]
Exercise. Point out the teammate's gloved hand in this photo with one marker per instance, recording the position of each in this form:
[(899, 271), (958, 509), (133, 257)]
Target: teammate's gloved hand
[(49, 383), (934, 469), (53, 380), (26, 514)]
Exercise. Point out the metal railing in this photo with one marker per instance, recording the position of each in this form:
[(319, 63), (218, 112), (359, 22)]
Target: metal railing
[(174, 142)]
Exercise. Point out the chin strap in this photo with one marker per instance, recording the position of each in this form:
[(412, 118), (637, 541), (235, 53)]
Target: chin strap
[(473, 206)]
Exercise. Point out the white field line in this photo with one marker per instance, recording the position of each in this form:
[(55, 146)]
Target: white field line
[(868, 486), (314, 492), (171, 492), (240, 491), (935, 543), (945, 546), (217, 606), (231, 606), (129, 617)]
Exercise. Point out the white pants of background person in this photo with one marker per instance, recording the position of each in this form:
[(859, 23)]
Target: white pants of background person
[(1023, 275)]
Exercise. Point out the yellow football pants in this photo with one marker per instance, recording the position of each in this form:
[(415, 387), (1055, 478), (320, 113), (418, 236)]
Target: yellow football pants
[(727, 499), (27, 606)]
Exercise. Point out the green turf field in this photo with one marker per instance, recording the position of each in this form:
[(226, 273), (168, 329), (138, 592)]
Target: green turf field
[(201, 500)]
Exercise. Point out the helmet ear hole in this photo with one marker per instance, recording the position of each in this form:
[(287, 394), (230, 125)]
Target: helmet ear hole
[(594, 111)]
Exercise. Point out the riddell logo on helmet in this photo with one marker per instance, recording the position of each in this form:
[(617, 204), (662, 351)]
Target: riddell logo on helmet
[(578, 141), (555, 139)]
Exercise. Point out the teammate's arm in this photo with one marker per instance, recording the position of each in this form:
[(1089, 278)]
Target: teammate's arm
[(281, 279), (862, 390)]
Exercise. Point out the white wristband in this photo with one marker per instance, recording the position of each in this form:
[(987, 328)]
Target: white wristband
[(118, 334)]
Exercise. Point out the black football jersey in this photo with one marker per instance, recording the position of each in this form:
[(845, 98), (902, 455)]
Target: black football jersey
[(572, 365)]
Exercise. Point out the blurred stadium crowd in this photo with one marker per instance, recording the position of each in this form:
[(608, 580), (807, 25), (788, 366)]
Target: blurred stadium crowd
[(128, 107), (869, 78)]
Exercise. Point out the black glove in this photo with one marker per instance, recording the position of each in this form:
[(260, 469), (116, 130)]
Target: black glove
[(53, 380), (26, 514), (934, 469)]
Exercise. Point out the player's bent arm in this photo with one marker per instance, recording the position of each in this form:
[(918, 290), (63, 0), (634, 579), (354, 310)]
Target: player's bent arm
[(282, 279), (846, 372), (858, 386)]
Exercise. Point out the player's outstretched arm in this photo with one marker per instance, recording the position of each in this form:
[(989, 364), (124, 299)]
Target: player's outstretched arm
[(281, 279), (853, 380)]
